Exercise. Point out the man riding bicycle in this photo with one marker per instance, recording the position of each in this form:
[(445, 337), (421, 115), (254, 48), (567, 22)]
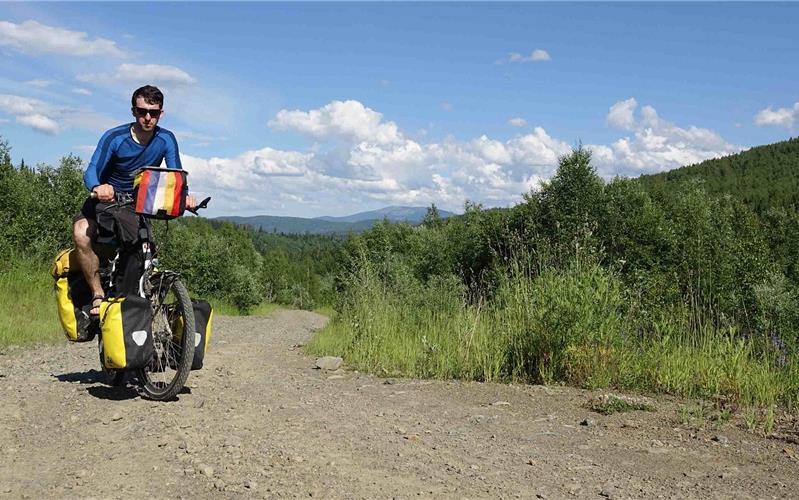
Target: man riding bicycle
[(121, 152)]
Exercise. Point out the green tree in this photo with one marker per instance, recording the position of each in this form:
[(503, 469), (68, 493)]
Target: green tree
[(571, 202), (432, 217)]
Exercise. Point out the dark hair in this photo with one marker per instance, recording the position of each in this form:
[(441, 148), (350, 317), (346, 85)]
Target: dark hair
[(150, 94)]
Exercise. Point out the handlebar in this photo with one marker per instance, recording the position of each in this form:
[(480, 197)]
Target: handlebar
[(202, 205)]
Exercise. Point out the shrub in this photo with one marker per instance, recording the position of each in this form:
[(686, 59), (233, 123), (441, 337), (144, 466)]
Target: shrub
[(562, 325)]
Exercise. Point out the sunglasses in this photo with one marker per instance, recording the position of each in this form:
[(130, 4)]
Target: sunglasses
[(142, 112)]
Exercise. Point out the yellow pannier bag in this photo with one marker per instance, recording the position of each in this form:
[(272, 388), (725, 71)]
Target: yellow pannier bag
[(203, 318), (126, 339), (73, 297), (63, 263)]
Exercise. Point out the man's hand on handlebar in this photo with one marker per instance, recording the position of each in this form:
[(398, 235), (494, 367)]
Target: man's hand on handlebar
[(103, 192), (191, 203), (197, 206)]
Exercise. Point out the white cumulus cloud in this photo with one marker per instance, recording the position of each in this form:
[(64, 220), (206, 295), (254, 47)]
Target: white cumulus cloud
[(656, 144), (128, 73), (33, 113), (50, 118), (18, 105), (361, 159), (40, 122), (249, 170), (782, 117), (34, 37), (621, 114), (339, 119), (254, 181), (518, 122)]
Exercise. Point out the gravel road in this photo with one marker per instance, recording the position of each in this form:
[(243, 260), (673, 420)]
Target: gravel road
[(259, 420)]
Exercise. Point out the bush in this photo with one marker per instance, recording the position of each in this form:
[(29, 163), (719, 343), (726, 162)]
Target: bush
[(38, 205), (215, 262), (562, 326)]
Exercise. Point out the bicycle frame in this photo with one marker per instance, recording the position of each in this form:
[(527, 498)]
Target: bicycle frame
[(146, 249), (150, 261)]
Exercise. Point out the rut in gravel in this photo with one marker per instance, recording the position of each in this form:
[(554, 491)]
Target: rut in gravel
[(259, 420)]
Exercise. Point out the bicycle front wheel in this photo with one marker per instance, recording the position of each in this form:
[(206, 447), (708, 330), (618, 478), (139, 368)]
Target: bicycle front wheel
[(173, 339)]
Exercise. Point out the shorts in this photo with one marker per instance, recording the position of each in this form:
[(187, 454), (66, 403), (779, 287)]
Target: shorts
[(110, 223)]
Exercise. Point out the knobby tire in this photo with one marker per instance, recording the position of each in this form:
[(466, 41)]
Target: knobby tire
[(160, 390)]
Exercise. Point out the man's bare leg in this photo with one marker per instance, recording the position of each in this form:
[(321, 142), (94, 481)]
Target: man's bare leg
[(88, 260)]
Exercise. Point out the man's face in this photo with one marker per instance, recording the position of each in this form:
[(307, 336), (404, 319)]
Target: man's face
[(146, 114)]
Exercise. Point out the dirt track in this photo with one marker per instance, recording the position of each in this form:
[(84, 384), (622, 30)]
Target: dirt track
[(260, 421)]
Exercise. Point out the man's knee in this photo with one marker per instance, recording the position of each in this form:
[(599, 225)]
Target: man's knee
[(81, 233)]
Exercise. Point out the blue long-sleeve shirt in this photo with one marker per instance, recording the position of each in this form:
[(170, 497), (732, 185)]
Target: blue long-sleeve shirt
[(118, 157)]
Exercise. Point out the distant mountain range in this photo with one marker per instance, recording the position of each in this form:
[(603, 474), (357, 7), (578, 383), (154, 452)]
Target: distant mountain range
[(333, 225), (412, 215)]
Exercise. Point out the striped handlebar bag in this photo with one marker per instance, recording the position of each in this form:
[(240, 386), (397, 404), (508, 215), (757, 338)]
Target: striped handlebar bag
[(160, 193)]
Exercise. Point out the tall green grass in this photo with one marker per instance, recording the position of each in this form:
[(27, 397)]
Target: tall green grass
[(28, 307), (575, 326), (27, 304), (421, 331)]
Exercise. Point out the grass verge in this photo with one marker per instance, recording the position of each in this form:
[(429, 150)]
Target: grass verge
[(559, 327), (27, 305)]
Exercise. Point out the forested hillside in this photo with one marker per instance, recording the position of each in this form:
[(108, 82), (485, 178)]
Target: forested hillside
[(336, 226), (762, 177), (412, 215), (297, 225)]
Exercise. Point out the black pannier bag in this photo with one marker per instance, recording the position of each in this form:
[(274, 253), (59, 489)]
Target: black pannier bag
[(117, 226), (203, 319), (126, 341), (131, 266)]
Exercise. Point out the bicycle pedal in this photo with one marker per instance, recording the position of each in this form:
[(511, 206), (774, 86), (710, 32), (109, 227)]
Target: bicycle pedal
[(85, 325), (82, 320)]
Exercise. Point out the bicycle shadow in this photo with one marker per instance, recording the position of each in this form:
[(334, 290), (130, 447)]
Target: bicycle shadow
[(90, 377), (113, 393), (103, 390)]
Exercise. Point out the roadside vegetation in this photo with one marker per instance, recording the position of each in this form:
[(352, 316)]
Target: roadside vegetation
[(27, 306), (588, 283)]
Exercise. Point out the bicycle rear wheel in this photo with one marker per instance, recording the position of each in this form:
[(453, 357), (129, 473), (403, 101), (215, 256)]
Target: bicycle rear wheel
[(167, 372)]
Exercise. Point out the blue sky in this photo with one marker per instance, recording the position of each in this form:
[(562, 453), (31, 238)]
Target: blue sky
[(329, 109)]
